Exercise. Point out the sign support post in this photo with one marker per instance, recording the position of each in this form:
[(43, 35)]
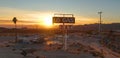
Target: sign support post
[(15, 21)]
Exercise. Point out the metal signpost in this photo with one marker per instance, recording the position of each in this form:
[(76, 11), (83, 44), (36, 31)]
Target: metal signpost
[(15, 20), (64, 18)]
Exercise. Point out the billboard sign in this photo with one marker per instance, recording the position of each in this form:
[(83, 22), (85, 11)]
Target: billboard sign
[(63, 19)]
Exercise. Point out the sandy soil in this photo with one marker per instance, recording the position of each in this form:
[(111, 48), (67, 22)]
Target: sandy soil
[(8, 52)]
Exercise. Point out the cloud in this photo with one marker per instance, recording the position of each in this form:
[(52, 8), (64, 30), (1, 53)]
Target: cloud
[(28, 16), (20, 21), (85, 20), (23, 16)]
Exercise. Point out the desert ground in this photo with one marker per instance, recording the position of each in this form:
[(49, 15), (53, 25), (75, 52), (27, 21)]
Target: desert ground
[(77, 47)]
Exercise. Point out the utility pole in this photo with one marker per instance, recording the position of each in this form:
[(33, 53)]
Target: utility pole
[(100, 29), (100, 22)]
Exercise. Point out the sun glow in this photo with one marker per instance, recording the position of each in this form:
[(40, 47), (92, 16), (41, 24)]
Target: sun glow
[(47, 22)]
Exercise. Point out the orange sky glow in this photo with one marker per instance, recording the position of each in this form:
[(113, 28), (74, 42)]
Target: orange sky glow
[(36, 17)]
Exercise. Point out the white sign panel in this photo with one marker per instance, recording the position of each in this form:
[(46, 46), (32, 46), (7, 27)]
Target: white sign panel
[(68, 27)]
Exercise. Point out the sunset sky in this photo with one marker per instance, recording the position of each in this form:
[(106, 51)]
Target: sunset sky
[(41, 11)]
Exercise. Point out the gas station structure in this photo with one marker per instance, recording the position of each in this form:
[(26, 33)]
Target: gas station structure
[(64, 19)]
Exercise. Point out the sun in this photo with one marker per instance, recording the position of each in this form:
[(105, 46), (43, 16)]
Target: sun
[(47, 22)]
